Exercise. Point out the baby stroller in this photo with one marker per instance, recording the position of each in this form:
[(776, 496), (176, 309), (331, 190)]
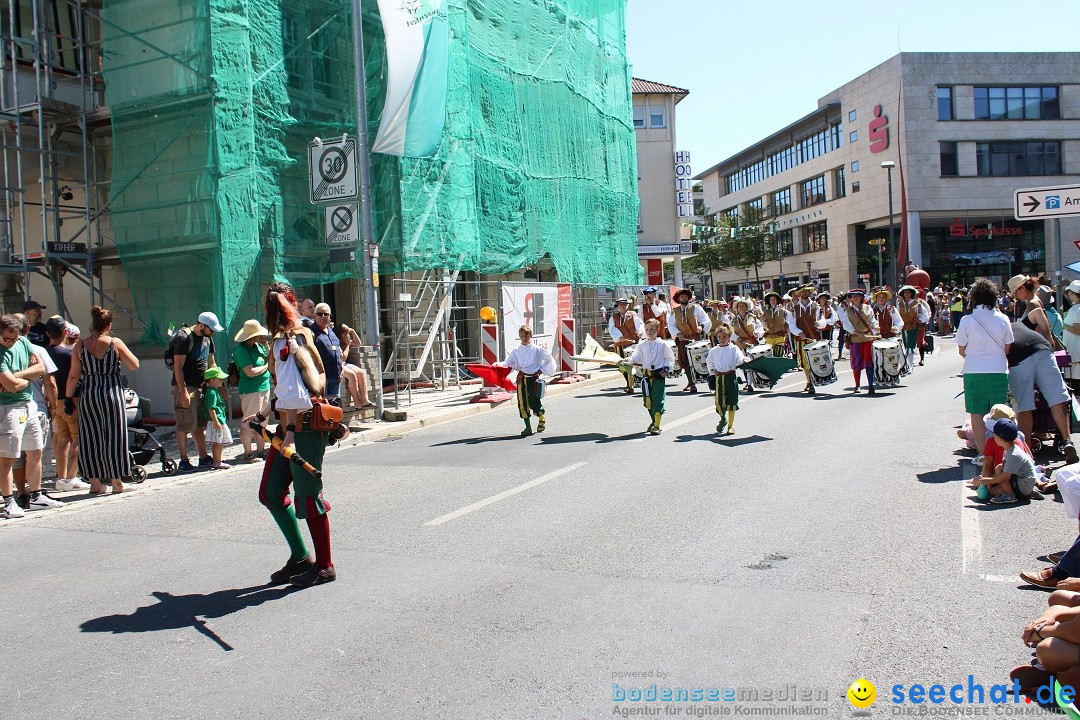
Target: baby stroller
[(139, 436), (1043, 429)]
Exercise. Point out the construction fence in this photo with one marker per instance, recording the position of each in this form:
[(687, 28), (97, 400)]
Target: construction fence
[(436, 328)]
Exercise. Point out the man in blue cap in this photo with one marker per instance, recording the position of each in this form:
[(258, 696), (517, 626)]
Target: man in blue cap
[(652, 309)]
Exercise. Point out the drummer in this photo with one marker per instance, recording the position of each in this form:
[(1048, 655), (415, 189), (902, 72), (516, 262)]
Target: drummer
[(908, 306), (651, 308), (801, 323), (715, 320), (862, 331), (888, 319), (747, 331), (773, 318), (687, 323), (625, 329)]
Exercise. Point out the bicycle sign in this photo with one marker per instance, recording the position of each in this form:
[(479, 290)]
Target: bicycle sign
[(332, 170)]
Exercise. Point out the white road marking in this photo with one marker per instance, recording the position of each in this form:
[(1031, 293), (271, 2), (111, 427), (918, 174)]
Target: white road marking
[(971, 534), (503, 495), (1000, 578)]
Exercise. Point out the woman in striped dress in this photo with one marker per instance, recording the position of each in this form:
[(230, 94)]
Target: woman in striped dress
[(103, 452)]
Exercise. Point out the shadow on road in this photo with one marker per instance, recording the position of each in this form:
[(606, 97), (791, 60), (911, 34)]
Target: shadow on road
[(479, 440), (173, 612), (728, 440), (563, 439), (944, 475)]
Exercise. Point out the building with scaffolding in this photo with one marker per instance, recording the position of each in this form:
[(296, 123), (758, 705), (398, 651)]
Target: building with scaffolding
[(154, 154)]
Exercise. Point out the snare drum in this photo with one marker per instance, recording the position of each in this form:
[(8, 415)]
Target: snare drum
[(888, 363), (759, 381), (697, 352), (819, 354)]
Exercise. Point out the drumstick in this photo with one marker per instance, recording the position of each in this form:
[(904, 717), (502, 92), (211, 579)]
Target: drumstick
[(288, 453)]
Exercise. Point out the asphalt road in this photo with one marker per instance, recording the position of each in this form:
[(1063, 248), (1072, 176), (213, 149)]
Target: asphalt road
[(829, 539)]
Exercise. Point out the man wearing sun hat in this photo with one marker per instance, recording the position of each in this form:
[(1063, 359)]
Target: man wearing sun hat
[(802, 321), (625, 328), (687, 323), (253, 385), (774, 320), (861, 326)]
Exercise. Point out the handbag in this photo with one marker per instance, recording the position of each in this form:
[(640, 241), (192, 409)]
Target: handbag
[(324, 416)]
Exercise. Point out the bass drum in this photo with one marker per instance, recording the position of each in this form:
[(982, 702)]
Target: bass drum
[(759, 381), (888, 363), (697, 352), (819, 354)]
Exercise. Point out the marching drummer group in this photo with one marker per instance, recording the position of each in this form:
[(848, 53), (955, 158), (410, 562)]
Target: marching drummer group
[(883, 337)]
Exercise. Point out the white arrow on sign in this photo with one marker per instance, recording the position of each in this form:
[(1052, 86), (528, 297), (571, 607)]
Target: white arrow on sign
[(1047, 202)]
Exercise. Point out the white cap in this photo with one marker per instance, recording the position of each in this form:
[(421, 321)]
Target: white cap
[(210, 320), (1074, 286)]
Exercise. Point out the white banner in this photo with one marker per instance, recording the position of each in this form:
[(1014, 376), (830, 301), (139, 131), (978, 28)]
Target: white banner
[(537, 305)]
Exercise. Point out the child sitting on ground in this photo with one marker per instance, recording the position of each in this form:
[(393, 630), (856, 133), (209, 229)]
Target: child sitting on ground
[(1014, 478)]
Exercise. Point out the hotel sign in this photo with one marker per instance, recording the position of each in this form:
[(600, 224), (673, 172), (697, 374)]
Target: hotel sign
[(684, 186)]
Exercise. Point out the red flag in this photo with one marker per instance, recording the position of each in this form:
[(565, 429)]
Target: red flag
[(492, 375)]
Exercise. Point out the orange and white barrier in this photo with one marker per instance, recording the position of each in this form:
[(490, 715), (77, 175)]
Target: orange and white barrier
[(567, 345), (489, 342)]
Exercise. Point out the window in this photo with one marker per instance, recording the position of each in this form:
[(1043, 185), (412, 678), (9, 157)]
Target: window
[(838, 181), (731, 213), (853, 136), (1017, 103), (781, 201), (944, 103), (854, 166), (817, 236), (855, 187), (851, 116), (1004, 159), (639, 116), (813, 191), (757, 205), (62, 28), (785, 242), (948, 159), (816, 145), (656, 116)]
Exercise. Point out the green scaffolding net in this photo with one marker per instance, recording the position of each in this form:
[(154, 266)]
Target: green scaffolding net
[(213, 105)]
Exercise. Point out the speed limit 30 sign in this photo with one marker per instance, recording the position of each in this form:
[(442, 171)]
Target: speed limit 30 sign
[(332, 170)]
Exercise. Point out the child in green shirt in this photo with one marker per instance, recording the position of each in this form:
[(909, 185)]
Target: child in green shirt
[(218, 434)]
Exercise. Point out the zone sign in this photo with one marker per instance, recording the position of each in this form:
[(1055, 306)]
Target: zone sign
[(332, 170)]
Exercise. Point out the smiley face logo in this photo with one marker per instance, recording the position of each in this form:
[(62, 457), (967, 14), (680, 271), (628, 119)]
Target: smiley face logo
[(862, 693)]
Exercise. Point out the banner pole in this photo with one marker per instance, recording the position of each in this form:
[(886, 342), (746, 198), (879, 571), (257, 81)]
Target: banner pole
[(363, 158)]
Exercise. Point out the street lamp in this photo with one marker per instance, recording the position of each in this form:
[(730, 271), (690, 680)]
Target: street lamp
[(889, 165)]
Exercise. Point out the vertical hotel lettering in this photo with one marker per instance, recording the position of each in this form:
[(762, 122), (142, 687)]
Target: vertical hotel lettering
[(684, 195)]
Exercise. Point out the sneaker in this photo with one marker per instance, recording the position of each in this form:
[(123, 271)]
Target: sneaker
[(11, 509), (72, 484), (653, 430), (977, 460), (23, 501), (293, 567), (185, 466), (1003, 499), (206, 462), (314, 576), (44, 502)]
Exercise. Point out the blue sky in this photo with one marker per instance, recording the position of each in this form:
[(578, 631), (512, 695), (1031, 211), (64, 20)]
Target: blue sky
[(754, 67)]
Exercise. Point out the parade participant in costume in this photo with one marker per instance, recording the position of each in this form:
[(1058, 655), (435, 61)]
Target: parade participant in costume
[(687, 323), (654, 309), (747, 330), (655, 358), (722, 361), (531, 362), (625, 328), (801, 324), (922, 322), (825, 318), (774, 320), (907, 305), (304, 366), (888, 319), (726, 316), (715, 320), (861, 327)]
